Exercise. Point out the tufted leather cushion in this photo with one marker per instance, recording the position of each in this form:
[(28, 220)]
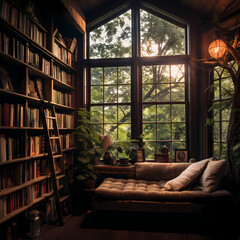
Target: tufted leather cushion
[(132, 189)]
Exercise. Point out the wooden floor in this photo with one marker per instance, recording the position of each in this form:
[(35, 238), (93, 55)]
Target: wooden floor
[(136, 226)]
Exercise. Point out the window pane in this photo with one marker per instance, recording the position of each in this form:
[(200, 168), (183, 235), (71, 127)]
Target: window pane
[(227, 88), (178, 113), (110, 75), (163, 113), (149, 113), (111, 130), (178, 131), (124, 75), (110, 114), (226, 114), (113, 39), (124, 93), (110, 94), (163, 92), (216, 90), (147, 76), (224, 131), (149, 131), (98, 128), (150, 149), (124, 114), (123, 131), (148, 93), (158, 36), (216, 135), (178, 92), (96, 76), (97, 114), (177, 73), (96, 94), (164, 131)]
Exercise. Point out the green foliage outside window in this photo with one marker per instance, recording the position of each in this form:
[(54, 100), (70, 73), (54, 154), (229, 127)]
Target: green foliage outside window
[(163, 86), (222, 89)]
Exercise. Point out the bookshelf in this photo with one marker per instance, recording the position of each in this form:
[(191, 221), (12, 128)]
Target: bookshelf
[(36, 66)]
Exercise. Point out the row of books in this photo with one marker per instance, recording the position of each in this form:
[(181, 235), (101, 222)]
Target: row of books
[(12, 46), (11, 114), (24, 197), (17, 174), (14, 148), (33, 58), (11, 148), (33, 118), (65, 120), (62, 98), (64, 49), (21, 21), (61, 75), (35, 145)]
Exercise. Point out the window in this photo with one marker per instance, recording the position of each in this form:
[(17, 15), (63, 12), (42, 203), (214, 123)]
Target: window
[(110, 101), (130, 95), (223, 88), (164, 121), (160, 37), (113, 39)]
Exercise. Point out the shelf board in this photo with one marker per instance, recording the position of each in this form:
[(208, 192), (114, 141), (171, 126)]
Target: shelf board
[(22, 209), (61, 84), (42, 155), (12, 189)]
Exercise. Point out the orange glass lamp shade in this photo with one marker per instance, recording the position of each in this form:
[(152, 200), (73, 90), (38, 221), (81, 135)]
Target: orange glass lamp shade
[(217, 49)]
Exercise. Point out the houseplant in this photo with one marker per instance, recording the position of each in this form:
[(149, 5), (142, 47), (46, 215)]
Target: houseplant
[(88, 148)]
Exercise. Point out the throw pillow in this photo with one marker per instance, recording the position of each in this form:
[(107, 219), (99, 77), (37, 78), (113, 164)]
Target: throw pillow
[(187, 176), (212, 175)]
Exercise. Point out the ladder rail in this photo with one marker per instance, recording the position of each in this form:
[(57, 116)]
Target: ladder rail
[(51, 157)]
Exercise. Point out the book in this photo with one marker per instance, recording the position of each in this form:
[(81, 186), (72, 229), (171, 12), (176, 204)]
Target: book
[(73, 45), (39, 87), (5, 82), (32, 91), (3, 147)]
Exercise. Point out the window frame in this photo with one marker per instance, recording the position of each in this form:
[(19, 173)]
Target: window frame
[(136, 62)]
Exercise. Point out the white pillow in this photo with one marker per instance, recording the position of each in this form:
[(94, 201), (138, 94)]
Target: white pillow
[(187, 176), (212, 175)]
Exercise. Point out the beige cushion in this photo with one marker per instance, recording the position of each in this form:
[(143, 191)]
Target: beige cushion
[(212, 175), (187, 176)]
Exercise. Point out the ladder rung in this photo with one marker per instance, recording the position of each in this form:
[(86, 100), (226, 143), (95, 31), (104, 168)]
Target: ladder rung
[(57, 156), (62, 199), (60, 176), (50, 117), (54, 137)]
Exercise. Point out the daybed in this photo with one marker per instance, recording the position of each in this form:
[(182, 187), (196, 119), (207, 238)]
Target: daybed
[(165, 187)]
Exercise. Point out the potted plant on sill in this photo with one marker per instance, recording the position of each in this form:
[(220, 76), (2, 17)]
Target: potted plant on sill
[(88, 148)]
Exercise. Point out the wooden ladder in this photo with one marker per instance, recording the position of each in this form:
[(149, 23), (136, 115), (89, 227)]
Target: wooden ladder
[(56, 164)]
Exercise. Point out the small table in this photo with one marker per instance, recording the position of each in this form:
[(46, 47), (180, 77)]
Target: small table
[(127, 171)]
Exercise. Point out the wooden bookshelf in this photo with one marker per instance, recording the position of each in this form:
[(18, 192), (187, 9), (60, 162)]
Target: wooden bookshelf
[(33, 71)]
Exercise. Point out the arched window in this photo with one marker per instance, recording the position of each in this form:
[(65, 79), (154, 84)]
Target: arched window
[(143, 88)]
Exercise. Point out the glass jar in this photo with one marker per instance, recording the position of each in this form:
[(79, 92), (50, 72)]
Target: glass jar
[(34, 224)]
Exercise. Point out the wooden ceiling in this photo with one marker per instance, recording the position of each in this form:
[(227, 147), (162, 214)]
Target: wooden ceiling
[(205, 8)]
